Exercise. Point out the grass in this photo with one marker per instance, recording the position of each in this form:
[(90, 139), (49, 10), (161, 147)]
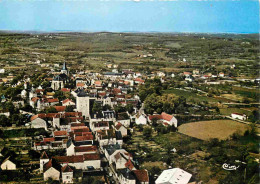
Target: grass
[(190, 95), (150, 165), (204, 130), (229, 111)]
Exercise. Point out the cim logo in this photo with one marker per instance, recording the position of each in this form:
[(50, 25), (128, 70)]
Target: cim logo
[(228, 167)]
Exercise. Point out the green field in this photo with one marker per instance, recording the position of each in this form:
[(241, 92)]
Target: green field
[(205, 130), (229, 111), (191, 95)]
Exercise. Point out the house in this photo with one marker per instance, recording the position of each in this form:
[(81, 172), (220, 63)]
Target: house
[(43, 160), (84, 162), (60, 108), (101, 125), (124, 119), (174, 176), (186, 74), (9, 164), (106, 137), (121, 128), (71, 145), (165, 119), (239, 116), (221, 74), (82, 150), (125, 176), (66, 174), (67, 102), (51, 170), (141, 119), (141, 176), (38, 123)]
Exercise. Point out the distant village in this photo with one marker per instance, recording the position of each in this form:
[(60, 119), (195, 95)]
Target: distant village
[(87, 129)]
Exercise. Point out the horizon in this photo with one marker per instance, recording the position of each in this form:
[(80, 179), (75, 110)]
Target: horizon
[(179, 16), (117, 32)]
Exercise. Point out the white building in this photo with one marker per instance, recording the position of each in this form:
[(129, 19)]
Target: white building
[(67, 174), (239, 116), (82, 103), (8, 164), (141, 119), (174, 176)]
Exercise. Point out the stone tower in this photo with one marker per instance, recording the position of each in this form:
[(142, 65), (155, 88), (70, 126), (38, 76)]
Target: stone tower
[(82, 103)]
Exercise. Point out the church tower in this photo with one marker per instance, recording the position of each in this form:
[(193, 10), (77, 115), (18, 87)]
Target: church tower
[(64, 69)]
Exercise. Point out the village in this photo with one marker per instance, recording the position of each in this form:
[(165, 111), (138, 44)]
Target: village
[(126, 125)]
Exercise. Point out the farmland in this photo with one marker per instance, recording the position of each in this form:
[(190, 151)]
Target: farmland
[(205, 130)]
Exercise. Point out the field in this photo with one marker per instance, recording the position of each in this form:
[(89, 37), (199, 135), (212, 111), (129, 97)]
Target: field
[(221, 129), (191, 95), (229, 111)]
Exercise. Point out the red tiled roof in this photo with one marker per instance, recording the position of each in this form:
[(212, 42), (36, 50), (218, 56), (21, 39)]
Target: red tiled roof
[(98, 82), (34, 99), (139, 80), (44, 155), (49, 115), (51, 163), (60, 108), (141, 175), (39, 90), (65, 90), (151, 117), (166, 124), (84, 138), (50, 100), (40, 143), (186, 73), (85, 148), (129, 165), (118, 126), (51, 139), (60, 133), (80, 129), (116, 90), (102, 124), (164, 116), (69, 159), (81, 133), (80, 84), (66, 100), (77, 124), (93, 156), (74, 114), (167, 117), (66, 168)]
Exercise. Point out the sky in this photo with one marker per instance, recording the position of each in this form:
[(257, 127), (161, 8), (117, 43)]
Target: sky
[(211, 16)]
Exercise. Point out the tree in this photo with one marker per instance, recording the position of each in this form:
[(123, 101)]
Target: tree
[(217, 110), (51, 110), (246, 100), (4, 121), (119, 108), (147, 132), (129, 108), (60, 95), (69, 108), (107, 107), (97, 108)]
